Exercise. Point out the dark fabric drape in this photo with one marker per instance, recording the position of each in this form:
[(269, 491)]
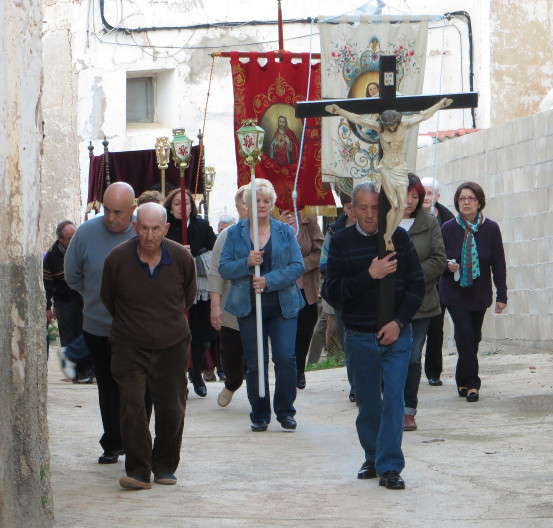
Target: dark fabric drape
[(139, 169)]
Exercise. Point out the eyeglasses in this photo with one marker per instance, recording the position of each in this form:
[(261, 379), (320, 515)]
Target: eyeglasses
[(467, 199)]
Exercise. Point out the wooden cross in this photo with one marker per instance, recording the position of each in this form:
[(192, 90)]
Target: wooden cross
[(387, 100)]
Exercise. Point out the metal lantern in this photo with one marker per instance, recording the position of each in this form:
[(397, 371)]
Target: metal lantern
[(250, 137), (209, 179), (163, 151), (181, 147)]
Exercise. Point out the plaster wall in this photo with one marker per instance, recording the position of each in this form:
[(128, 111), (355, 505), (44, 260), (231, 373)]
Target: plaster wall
[(25, 497), (513, 162), (60, 170), (522, 65)]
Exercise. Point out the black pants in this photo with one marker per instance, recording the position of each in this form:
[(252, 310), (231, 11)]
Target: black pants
[(70, 319), (468, 333), (232, 356), (307, 319), (434, 342), (139, 372), (108, 391)]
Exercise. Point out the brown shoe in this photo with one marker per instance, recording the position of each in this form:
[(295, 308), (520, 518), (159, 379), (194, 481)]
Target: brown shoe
[(132, 483), (209, 375), (409, 423)]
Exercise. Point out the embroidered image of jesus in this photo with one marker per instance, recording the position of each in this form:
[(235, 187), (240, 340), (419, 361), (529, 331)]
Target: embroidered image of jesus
[(284, 148)]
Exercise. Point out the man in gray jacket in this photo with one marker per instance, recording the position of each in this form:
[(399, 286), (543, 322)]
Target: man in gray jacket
[(84, 264)]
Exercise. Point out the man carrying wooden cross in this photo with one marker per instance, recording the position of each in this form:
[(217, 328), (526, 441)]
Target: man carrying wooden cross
[(392, 128)]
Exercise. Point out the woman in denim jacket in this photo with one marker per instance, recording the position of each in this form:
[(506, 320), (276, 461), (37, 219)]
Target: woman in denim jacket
[(281, 265)]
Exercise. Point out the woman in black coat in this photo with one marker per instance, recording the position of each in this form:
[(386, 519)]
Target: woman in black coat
[(200, 242)]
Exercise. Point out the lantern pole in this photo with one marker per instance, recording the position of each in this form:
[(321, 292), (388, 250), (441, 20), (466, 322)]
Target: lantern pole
[(250, 138)]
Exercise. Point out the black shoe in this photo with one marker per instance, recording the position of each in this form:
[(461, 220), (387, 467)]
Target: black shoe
[(258, 427), (462, 391), (301, 381), (199, 388), (352, 397), (367, 471), (392, 480), (435, 382), (472, 396), (288, 423), (110, 457)]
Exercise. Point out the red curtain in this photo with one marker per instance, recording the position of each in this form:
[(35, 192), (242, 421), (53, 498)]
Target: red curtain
[(267, 91), (139, 169)]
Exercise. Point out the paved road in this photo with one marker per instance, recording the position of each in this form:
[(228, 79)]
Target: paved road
[(487, 464)]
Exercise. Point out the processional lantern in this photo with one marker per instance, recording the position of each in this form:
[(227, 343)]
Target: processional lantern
[(209, 183), (250, 138), (181, 147), (163, 151)]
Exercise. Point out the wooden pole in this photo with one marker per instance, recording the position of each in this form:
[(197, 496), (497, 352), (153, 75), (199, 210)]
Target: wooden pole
[(280, 29), (184, 217)]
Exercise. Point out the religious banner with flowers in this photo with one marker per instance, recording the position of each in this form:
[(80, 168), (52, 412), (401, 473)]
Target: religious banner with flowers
[(267, 91), (350, 57)]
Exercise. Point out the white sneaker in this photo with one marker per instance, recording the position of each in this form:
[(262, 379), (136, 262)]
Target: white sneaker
[(69, 369), (225, 397)]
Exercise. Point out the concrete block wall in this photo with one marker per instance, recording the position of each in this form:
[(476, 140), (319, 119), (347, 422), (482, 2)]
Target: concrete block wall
[(514, 164)]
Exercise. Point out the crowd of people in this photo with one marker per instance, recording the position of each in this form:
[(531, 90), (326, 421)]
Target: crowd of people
[(147, 298)]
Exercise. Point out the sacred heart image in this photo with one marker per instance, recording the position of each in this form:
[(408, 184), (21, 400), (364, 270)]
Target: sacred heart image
[(282, 130)]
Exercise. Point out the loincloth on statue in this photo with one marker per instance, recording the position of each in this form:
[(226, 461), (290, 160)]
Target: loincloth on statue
[(396, 176)]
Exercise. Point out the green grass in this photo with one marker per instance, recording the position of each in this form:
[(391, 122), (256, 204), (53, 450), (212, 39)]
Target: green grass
[(336, 361)]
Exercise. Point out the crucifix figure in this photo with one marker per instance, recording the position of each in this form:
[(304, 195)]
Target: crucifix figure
[(392, 129)]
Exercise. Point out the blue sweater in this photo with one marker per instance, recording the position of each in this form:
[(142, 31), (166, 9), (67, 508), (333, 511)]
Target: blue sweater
[(84, 264), (351, 289)]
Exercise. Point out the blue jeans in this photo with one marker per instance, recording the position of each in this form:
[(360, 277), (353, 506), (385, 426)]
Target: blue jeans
[(420, 328), (380, 419), (283, 341), (341, 329)]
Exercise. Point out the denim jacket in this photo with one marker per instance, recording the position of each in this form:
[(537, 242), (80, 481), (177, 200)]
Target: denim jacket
[(286, 268)]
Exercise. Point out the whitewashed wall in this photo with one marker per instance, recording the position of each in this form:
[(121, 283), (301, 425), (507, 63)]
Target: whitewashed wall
[(514, 165)]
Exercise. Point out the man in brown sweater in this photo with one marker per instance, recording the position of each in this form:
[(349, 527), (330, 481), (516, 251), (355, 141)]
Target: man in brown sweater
[(148, 284)]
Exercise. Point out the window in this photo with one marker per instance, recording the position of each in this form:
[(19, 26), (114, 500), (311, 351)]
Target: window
[(140, 100)]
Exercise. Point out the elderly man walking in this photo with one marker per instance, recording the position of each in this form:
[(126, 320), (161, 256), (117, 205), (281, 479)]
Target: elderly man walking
[(84, 263), (148, 284), (379, 356)]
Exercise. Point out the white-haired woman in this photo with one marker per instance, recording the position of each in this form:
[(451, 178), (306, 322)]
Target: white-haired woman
[(281, 265)]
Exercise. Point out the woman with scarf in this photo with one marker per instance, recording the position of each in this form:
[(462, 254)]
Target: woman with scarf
[(474, 250), (200, 242)]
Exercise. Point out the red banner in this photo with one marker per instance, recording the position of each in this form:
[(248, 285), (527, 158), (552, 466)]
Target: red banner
[(267, 92)]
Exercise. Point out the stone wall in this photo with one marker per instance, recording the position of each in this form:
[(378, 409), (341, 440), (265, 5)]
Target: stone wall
[(25, 498), (514, 164)]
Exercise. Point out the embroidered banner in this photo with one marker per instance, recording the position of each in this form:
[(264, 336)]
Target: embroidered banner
[(268, 92), (349, 60)]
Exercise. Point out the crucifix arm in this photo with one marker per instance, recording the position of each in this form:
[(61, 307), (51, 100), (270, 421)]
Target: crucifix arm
[(428, 113), (354, 118)]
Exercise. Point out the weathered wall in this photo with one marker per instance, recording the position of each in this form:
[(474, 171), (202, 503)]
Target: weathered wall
[(513, 163), (60, 169), (25, 499), (521, 60)]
